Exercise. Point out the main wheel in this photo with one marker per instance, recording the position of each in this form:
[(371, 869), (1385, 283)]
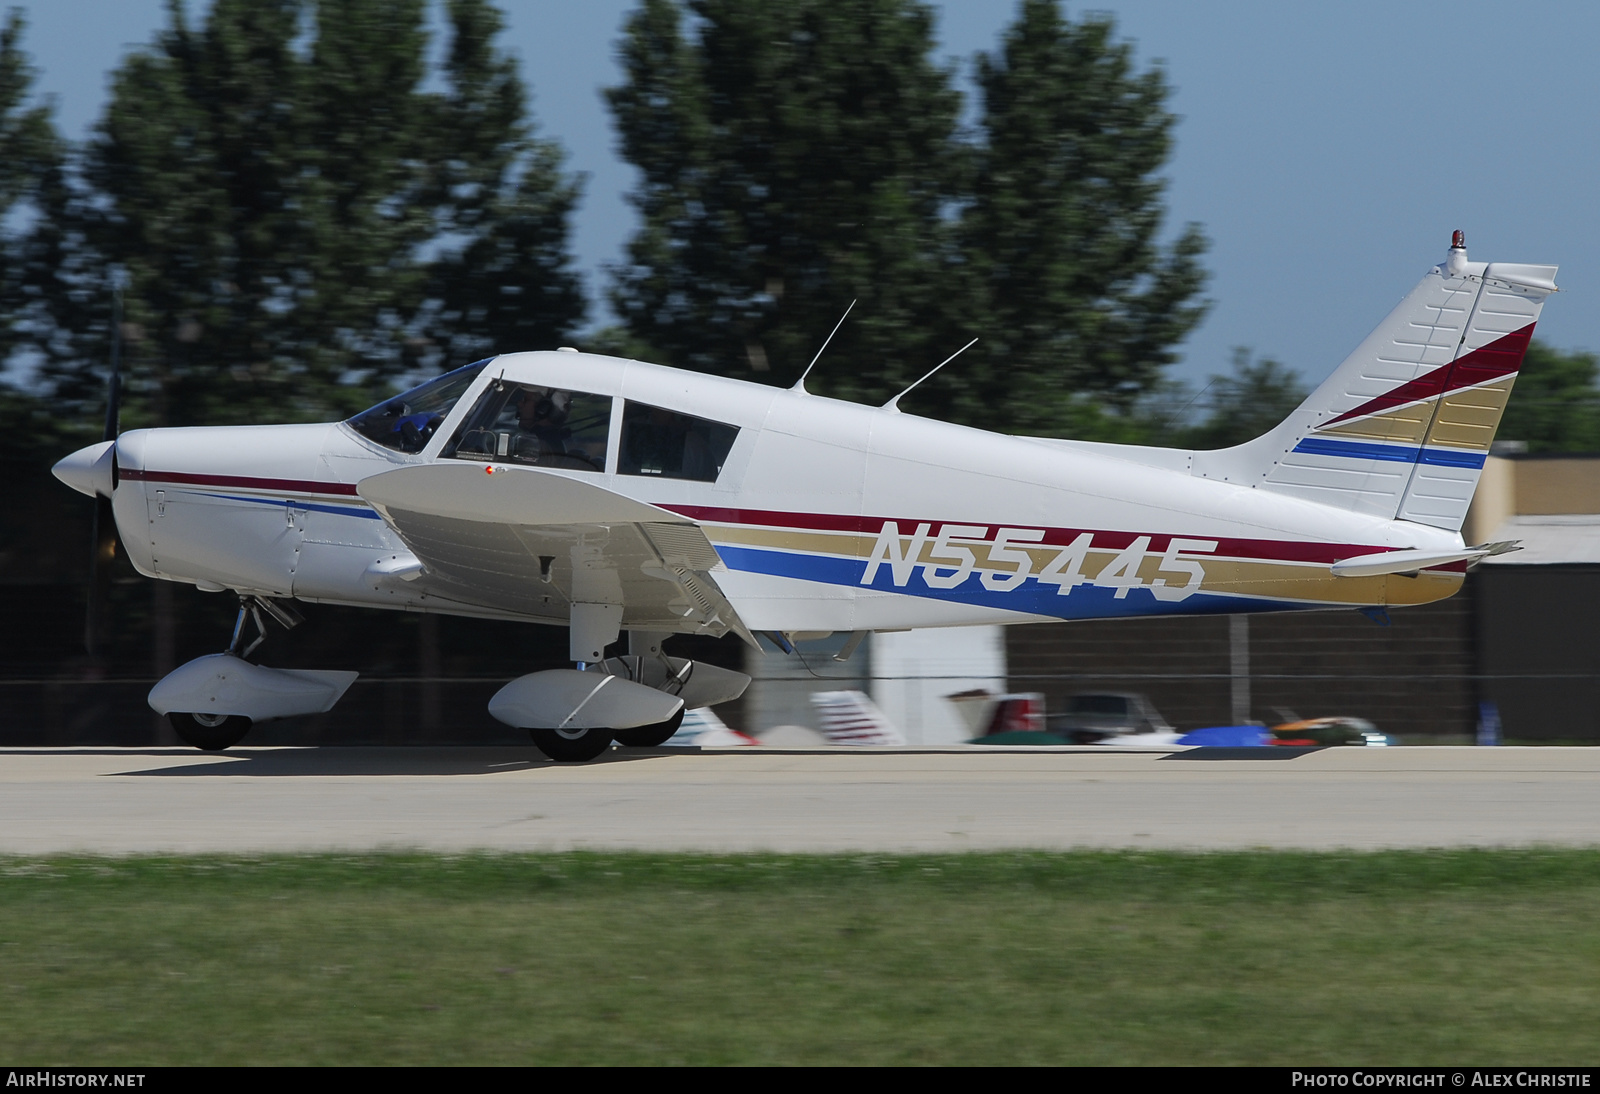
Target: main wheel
[(651, 735), (210, 732), (571, 746)]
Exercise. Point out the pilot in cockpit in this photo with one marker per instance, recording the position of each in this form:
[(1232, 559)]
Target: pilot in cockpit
[(545, 417)]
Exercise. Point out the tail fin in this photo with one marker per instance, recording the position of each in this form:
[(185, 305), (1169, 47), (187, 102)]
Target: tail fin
[(1402, 428), (851, 718)]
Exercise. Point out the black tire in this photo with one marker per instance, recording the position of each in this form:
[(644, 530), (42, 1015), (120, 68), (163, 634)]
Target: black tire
[(572, 746), (209, 732), (651, 735)]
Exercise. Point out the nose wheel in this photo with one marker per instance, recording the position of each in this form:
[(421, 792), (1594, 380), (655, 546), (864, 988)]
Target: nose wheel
[(209, 732), (572, 745), (212, 732)]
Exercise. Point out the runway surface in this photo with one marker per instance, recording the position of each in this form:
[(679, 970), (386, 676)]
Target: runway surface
[(119, 801)]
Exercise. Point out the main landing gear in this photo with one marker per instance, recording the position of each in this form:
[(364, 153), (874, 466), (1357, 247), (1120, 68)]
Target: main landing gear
[(581, 745), (650, 736), (638, 700)]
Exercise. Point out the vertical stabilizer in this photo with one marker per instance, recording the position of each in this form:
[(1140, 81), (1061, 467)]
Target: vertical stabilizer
[(1402, 428)]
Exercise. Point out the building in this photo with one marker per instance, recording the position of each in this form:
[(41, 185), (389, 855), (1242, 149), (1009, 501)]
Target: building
[(1537, 609)]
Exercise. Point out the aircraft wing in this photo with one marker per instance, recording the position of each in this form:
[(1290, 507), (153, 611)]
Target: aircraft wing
[(534, 542)]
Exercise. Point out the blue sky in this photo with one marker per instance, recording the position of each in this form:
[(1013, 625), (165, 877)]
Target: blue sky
[(1328, 149)]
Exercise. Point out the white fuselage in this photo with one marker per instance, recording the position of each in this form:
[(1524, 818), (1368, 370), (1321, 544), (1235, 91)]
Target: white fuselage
[(827, 515)]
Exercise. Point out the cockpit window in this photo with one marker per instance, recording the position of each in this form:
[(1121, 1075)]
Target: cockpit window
[(672, 445), (542, 426), (408, 421)]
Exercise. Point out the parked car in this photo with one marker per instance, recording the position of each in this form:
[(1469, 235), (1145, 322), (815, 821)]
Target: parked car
[(1094, 717), (1307, 732)]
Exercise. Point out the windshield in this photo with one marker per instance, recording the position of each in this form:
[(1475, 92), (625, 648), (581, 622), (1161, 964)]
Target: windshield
[(406, 422)]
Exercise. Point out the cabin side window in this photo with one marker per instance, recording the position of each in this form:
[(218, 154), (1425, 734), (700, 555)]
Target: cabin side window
[(539, 426), (670, 445)]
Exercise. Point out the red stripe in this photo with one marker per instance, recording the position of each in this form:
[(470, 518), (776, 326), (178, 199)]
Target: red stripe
[(1498, 358), (1266, 549), (297, 486), (1272, 550)]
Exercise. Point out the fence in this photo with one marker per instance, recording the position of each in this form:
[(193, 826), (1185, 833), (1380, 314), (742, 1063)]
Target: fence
[(1522, 637)]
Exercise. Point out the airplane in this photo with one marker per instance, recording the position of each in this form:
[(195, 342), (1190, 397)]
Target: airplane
[(612, 496)]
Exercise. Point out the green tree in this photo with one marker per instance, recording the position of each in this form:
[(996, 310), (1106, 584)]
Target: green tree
[(31, 168), (1555, 404), (794, 157), (1255, 397), (506, 281), (31, 161), (1063, 274), (296, 217)]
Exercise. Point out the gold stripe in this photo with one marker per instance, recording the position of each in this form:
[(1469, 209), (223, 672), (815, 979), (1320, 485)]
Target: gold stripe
[(1243, 577), (1288, 581), (821, 543), (1407, 423), (1469, 417)]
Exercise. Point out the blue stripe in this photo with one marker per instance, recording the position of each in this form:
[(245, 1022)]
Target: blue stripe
[(1321, 446), (311, 506), (1084, 602), (1452, 457), (1363, 450)]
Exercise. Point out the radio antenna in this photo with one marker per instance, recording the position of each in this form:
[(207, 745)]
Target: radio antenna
[(893, 405), (800, 384)]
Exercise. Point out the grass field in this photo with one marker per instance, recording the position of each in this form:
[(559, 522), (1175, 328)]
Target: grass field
[(1459, 958)]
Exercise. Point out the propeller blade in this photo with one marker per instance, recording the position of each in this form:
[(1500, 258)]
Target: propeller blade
[(105, 551), (114, 381), (104, 534)]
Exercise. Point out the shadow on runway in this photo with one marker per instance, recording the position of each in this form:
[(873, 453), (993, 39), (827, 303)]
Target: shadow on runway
[(412, 760), (417, 759), (370, 760), (1217, 752)]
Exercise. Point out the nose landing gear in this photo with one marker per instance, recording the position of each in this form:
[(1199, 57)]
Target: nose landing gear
[(572, 746), (209, 732), (213, 701)]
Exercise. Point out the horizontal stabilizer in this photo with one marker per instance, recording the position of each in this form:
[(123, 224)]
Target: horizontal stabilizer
[(1404, 562)]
